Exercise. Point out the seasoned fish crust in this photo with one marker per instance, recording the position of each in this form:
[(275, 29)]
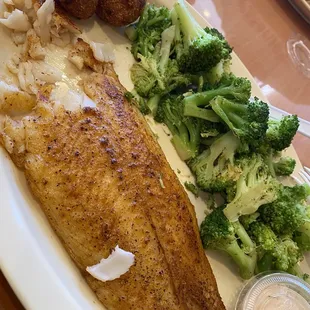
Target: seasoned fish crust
[(96, 173)]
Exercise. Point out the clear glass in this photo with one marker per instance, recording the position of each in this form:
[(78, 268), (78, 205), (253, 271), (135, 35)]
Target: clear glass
[(274, 291)]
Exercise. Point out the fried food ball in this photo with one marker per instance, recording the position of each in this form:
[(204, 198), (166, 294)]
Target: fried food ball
[(120, 12), (81, 9)]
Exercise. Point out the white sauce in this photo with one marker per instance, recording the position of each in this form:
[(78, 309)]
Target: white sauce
[(280, 297), (117, 264)]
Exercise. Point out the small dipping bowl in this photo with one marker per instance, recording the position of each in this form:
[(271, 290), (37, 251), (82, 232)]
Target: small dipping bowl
[(274, 291)]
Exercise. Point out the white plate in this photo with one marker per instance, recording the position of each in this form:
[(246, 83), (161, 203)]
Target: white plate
[(31, 257)]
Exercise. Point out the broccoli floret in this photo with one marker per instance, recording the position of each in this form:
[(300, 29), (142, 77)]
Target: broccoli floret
[(147, 33), (227, 49), (214, 168), (302, 237), (275, 253), (288, 213), (214, 75), (192, 188), (230, 87), (247, 220), (285, 166), (279, 134), (262, 235), (157, 73), (199, 50), (247, 121), (211, 129), (254, 188), (145, 76), (218, 233), (286, 255), (185, 130)]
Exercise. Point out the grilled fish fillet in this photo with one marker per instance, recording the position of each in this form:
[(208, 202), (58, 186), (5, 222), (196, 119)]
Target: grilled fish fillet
[(96, 173)]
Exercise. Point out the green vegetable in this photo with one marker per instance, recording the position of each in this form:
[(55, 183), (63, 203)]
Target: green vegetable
[(262, 235), (285, 166), (248, 121), (279, 134), (214, 168), (254, 188), (229, 86), (218, 233), (198, 50), (147, 33), (215, 74), (192, 188), (138, 101), (227, 49), (288, 213), (275, 253), (185, 130), (157, 74)]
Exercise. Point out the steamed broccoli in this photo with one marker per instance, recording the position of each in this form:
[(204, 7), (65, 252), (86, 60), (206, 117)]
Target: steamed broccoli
[(279, 134), (229, 86), (185, 130), (147, 33), (302, 235), (254, 188), (214, 168), (297, 271), (198, 49), (288, 213), (283, 256), (275, 253), (192, 188), (285, 166), (286, 254), (215, 74), (157, 74), (138, 101), (227, 49), (248, 121), (218, 233), (262, 235)]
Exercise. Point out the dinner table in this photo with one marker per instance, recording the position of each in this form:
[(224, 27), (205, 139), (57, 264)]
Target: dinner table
[(262, 33)]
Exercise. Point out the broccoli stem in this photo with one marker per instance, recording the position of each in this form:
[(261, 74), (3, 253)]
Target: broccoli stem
[(265, 263), (243, 236), (230, 112), (131, 33), (152, 104), (204, 98), (189, 26), (177, 37), (183, 149), (305, 229), (193, 111), (245, 262), (167, 38), (297, 271)]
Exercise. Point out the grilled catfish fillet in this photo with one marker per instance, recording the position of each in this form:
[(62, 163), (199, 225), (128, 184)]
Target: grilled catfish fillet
[(96, 173)]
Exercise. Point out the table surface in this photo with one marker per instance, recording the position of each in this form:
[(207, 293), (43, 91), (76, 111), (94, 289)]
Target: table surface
[(259, 31)]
